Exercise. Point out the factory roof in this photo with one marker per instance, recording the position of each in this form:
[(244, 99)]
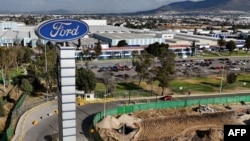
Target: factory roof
[(107, 28), (125, 35)]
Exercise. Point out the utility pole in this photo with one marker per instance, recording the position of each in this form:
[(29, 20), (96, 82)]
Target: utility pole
[(46, 72), (221, 79)]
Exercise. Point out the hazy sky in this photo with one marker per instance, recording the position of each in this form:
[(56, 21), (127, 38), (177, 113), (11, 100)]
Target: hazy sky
[(83, 5)]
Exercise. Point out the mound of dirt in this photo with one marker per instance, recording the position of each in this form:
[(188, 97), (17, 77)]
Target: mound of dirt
[(109, 122), (123, 127), (172, 128), (129, 121), (2, 123)]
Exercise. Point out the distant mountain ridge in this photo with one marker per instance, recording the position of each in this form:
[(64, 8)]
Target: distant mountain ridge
[(58, 11), (182, 6), (227, 5)]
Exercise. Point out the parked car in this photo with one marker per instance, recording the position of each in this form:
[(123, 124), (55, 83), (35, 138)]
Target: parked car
[(235, 69), (115, 68), (122, 75), (167, 98), (128, 68)]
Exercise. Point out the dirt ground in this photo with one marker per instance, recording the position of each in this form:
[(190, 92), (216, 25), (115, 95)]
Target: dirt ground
[(182, 124), (14, 94)]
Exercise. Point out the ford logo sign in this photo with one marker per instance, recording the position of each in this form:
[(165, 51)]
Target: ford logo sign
[(61, 30)]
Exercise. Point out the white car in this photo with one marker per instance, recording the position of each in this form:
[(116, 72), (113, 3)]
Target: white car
[(235, 69)]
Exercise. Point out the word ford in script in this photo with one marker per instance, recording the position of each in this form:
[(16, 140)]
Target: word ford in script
[(60, 30)]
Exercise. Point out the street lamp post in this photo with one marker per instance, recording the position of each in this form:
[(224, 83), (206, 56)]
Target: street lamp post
[(155, 97), (221, 79), (104, 107), (123, 127), (46, 71)]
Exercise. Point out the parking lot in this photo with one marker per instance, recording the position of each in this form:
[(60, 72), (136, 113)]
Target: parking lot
[(123, 69), (194, 67)]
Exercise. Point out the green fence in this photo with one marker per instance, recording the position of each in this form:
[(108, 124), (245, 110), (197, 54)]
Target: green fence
[(10, 130), (170, 104)]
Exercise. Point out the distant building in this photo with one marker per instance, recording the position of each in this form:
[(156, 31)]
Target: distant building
[(96, 22), (6, 25), (113, 53), (132, 39)]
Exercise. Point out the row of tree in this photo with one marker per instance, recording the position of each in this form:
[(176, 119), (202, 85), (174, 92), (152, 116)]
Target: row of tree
[(10, 62), (12, 58), (231, 45)]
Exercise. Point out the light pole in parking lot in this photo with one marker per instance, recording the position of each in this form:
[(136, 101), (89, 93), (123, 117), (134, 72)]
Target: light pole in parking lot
[(46, 71), (245, 64), (221, 79), (104, 106)]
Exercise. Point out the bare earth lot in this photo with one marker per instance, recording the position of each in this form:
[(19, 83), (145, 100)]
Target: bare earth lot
[(182, 124)]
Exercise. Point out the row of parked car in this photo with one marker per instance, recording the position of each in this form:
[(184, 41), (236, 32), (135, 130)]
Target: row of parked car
[(116, 68)]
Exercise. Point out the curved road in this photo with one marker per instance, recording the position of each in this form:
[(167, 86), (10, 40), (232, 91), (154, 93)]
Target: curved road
[(84, 119)]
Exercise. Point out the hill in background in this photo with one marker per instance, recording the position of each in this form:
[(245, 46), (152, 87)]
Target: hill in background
[(206, 5)]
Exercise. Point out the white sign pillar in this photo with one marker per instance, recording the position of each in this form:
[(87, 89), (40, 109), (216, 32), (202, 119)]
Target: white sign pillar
[(66, 93)]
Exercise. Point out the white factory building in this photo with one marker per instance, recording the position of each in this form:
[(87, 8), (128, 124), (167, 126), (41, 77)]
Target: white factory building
[(14, 33)]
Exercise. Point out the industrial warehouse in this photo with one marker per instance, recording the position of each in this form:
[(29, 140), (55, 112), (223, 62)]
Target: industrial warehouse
[(18, 34)]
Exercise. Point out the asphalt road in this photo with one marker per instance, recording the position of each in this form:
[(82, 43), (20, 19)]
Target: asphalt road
[(85, 115), (84, 119)]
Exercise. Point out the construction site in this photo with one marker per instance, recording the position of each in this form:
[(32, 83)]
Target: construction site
[(194, 123)]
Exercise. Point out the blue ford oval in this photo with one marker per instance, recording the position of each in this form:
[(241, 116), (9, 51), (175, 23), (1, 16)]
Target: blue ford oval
[(61, 30)]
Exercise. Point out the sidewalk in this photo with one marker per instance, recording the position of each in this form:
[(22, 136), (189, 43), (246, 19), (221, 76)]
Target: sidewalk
[(132, 98), (209, 94)]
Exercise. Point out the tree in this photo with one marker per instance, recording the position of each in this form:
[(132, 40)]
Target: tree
[(26, 86), (98, 49), (134, 55), (6, 62), (195, 31), (85, 80), (230, 45), (193, 47), (18, 56), (79, 44), (165, 73), (2, 111), (231, 78), (247, 44), (46, 71), (122, 43), (142, 65), (107, 82), (51, 75), (155, 48), (27, 55), (39, 46), (221, 42)]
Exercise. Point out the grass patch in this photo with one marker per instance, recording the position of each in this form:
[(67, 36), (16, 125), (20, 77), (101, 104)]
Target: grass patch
[(13, 73), (100, 87), (176, 86), (209, 84), (128, 86), (123, 89)]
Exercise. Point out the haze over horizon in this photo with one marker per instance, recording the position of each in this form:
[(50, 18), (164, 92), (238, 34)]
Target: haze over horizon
[(89, 6)]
